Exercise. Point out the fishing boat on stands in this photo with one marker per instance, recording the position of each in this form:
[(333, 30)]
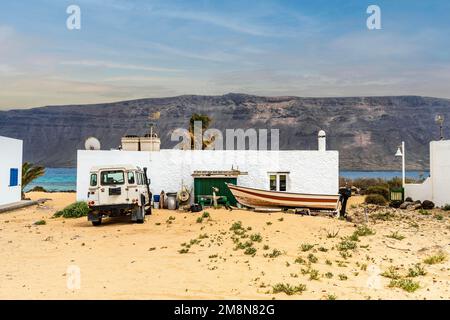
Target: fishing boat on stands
[(257, 198)]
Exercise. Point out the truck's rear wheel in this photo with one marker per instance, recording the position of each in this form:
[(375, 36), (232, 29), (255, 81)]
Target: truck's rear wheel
[(97, 222)]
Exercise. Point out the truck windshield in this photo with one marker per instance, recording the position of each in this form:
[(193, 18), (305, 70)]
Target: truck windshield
[(112, 177)]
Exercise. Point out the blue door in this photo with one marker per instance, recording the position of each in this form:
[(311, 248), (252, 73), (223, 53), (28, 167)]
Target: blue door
[(13, 177)]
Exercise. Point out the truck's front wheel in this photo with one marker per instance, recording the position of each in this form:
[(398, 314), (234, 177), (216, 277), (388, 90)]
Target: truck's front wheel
[(97, 222)]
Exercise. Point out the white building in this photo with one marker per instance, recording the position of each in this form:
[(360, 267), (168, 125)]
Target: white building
[(437, 186), (10, 170), (315, 171)]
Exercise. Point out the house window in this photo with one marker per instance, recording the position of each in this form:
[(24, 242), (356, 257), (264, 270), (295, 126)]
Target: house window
[(273, 182), (282, 178), (278, 181), (13, 177)]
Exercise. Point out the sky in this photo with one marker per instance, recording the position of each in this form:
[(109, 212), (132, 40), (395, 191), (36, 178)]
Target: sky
[(139, 49)]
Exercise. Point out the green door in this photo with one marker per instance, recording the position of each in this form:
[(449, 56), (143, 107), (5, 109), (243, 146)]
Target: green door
[(203, 187)]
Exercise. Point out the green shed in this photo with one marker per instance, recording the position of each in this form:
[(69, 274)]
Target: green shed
[(204, 181)]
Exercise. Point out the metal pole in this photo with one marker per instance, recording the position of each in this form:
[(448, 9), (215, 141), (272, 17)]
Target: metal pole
[(403, 163)]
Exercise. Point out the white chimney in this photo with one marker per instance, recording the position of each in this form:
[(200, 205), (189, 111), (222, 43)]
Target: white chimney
[(322, 137)]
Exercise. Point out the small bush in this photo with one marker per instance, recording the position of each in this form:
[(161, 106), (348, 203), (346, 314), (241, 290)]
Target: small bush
[(306, 247), (382, 191), (314, 274), (38, 189), (275, 253), (256, 237), (342, 277), (346, 244), (74, 210), (288, 289), (312, 258), (300, 260), (205, 215), (391, 273), (405, 284), (40, 223), (250, 251), (332, 234), (395, 235), (435, 259), (377, 199), (363, 231), (446, 207), (416, 271), (199, 220)]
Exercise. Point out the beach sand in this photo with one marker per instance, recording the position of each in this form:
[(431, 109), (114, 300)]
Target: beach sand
[(121, 260)]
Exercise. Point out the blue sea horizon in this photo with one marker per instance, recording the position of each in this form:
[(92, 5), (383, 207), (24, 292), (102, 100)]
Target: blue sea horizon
[(65, 179)]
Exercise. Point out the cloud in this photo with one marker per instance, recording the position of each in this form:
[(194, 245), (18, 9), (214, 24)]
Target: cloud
[(219, 21), (114, 65)]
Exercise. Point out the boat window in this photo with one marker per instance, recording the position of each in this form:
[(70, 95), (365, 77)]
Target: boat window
[(112, 177), (273, 182), (131, 179), (282, 182), (93, 179)]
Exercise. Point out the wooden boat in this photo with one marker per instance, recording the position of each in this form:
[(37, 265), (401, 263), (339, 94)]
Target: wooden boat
[(257, 198)]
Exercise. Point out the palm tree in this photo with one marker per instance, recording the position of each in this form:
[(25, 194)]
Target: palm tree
[(30, 172), (206, 121)]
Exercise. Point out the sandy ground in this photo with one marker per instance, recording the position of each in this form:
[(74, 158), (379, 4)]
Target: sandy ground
[(121, 260)]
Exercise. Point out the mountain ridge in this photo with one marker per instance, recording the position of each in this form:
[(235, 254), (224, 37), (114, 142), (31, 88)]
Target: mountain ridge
[(366, 130)]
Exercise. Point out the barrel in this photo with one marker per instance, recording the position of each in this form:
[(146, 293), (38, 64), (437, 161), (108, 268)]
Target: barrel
[(156, 198), (172, 201)]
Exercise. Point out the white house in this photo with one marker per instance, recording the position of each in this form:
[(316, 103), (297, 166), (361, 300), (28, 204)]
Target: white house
[(309, 171), (10, 170), (437, 186)]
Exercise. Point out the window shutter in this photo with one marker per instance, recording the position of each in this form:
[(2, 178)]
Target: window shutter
[(13, 177)]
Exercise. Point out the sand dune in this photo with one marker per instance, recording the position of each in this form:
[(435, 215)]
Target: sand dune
[(121, 260)]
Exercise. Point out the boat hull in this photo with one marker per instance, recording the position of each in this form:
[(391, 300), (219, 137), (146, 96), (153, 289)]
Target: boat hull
[(257, 198)]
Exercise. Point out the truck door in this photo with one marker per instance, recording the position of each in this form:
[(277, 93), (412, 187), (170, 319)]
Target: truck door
[(112, 187), (93, 190)]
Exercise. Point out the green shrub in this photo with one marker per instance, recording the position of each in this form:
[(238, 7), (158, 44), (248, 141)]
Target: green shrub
[(38, 189), (40, 223), (377, 199), (206, 215), (379, 190), (405, 284), (363, 231), (435, 259), (446, 207), (74, 210), (288, 289), (256, 237)]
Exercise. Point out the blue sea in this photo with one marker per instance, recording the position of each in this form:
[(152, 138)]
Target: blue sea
[(65, 179)]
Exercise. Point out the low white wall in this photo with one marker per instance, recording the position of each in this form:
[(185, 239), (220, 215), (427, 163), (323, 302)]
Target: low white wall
[(11, 157), (440, 171), (419, 191), (310, 171), (437, 187)]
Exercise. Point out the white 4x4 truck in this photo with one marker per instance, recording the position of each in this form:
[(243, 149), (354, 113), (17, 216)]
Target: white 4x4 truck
[(118, 190)]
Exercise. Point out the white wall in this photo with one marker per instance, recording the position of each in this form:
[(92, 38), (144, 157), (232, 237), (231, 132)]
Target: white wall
[(11, 157), (437, 187), (310, 171)]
